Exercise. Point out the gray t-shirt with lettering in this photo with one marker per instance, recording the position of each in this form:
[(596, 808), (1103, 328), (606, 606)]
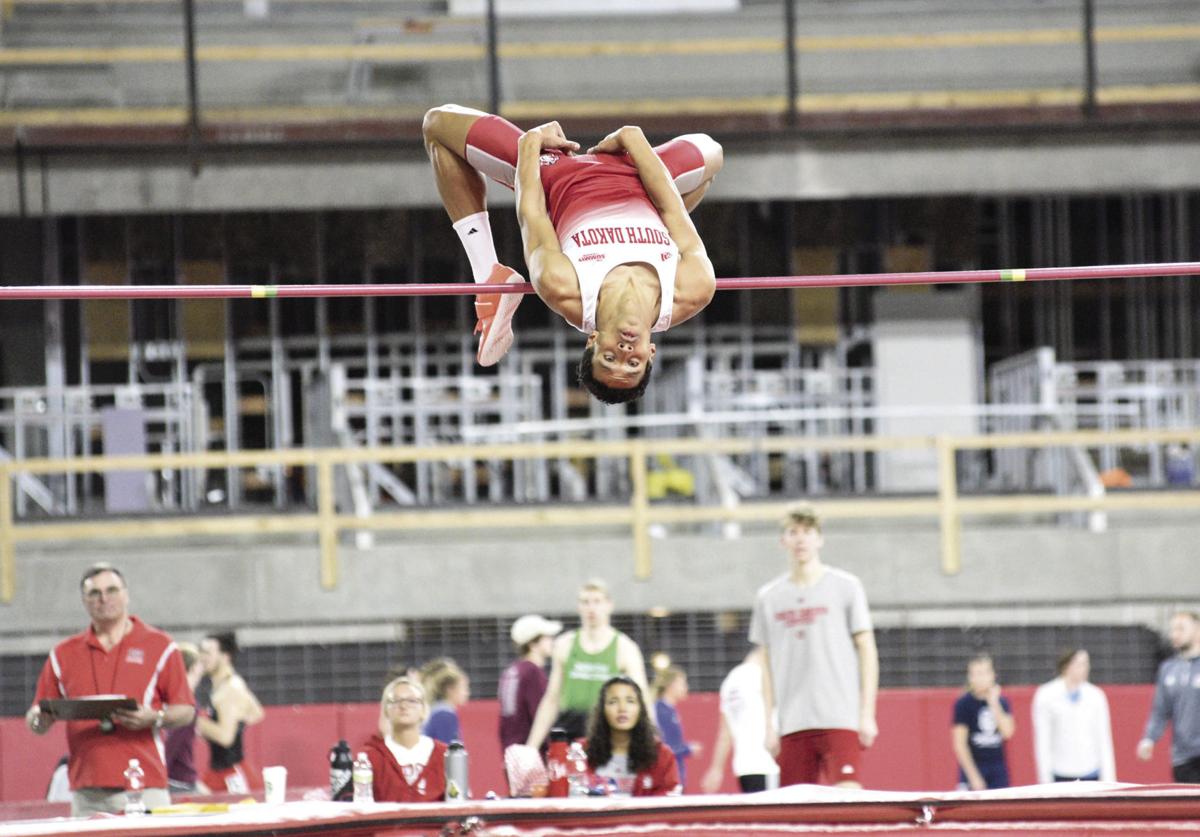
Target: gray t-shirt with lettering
[(808, 633)]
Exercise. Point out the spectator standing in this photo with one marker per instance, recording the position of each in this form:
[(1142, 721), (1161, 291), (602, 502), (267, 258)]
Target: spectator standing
[(448, 687), (670, 687), (743, 730), (621, 747), (983, 721), (582, 661), (230, 708), (1177, 701), (820, 663), (1072, 731), (179, 747), (407, 766), (523, 683), (116, 654)]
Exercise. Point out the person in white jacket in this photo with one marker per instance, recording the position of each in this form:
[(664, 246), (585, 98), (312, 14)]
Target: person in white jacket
[(1072, 732)]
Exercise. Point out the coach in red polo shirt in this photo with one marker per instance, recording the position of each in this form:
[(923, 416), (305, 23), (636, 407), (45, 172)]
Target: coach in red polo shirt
[(118, 654)]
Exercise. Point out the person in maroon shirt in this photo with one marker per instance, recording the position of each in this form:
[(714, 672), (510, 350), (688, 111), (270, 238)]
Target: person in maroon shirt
[(523, 683), (179, 747), (408, 766), (622, 749)]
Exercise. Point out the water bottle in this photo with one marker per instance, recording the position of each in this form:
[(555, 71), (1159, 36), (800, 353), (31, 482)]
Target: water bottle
[(341, 773), (556, 763), (458, 788), (364, 779), (135, 784), (577, 776)]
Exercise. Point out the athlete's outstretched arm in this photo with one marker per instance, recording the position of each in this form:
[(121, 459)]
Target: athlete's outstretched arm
[(551, 272)]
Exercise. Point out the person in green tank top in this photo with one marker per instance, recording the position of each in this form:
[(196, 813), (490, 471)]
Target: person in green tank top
[(582, 661)]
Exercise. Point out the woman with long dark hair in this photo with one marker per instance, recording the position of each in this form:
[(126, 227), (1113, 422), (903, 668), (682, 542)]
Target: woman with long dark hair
[(622, 748)]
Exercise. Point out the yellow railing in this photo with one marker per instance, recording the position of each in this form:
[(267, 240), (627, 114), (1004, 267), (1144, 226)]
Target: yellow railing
[(946, 505)]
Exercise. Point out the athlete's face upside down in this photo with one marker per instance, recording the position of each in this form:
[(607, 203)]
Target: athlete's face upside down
[(621, 353)]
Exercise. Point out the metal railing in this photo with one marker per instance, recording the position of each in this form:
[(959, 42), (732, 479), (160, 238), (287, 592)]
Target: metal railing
[(638, 513)]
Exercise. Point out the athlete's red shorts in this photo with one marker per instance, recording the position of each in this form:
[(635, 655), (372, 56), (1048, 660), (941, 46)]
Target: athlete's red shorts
[(569, 179), (236, 779), (819, 756)]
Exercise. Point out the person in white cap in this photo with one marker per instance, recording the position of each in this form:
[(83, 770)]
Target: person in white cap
[(524, 682)]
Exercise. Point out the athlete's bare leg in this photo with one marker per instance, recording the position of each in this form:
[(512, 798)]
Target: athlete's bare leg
[(463, 189), (464, 195)]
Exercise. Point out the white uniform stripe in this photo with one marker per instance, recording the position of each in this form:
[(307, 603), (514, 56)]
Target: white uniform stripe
[(148, 697), (54, 665), (689, 181), (499, 170)]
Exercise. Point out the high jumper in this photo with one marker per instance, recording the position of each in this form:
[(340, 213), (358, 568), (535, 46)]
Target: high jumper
[(608, 239)]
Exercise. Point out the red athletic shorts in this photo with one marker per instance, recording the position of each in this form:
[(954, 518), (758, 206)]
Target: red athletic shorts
[(573, 182), (819, 756)]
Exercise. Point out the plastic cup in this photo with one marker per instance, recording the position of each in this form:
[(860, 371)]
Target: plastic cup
[(275, 784)]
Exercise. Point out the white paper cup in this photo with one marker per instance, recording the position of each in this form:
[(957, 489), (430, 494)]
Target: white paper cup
[(275, 784)]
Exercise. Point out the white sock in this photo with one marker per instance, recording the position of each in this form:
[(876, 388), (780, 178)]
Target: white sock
[(475, 233)]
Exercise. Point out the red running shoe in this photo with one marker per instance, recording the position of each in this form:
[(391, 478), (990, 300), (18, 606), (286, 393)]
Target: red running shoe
[(495, 313)]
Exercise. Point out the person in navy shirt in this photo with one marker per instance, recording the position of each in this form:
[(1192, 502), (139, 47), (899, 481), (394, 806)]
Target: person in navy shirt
[(448, 687), (983, 721), (670, 687)]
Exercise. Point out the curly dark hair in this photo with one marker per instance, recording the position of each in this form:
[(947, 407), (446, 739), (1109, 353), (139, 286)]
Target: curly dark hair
[(643, 745), (603, 392)]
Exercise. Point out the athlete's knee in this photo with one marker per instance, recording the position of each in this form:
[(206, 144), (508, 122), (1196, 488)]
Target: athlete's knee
[(714, 156), (431, 125)]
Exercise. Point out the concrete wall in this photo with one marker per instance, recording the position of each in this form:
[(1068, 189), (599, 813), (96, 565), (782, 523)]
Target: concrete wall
[(983, 162), (1011, 574)]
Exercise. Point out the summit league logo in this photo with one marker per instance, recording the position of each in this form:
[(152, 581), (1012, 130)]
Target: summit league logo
[(547, 159)]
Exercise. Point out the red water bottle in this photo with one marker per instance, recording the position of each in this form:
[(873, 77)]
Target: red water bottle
[(556, 763)]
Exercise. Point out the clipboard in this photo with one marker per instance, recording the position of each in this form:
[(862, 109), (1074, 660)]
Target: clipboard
[(94, 708)]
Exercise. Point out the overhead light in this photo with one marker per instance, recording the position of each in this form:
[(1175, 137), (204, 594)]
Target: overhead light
[(658, 612), (660, 660)]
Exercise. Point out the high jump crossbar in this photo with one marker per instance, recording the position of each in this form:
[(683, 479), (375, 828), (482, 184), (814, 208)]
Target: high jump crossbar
[(849, 280)]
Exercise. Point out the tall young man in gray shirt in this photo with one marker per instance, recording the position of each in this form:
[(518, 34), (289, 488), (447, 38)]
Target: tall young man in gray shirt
[(821, 665), (1177, 700)]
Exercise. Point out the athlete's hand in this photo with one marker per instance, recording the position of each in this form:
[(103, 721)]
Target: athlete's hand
[(616, 142), (711, 781), (868, 731), (1145, 749), (552, 136)]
